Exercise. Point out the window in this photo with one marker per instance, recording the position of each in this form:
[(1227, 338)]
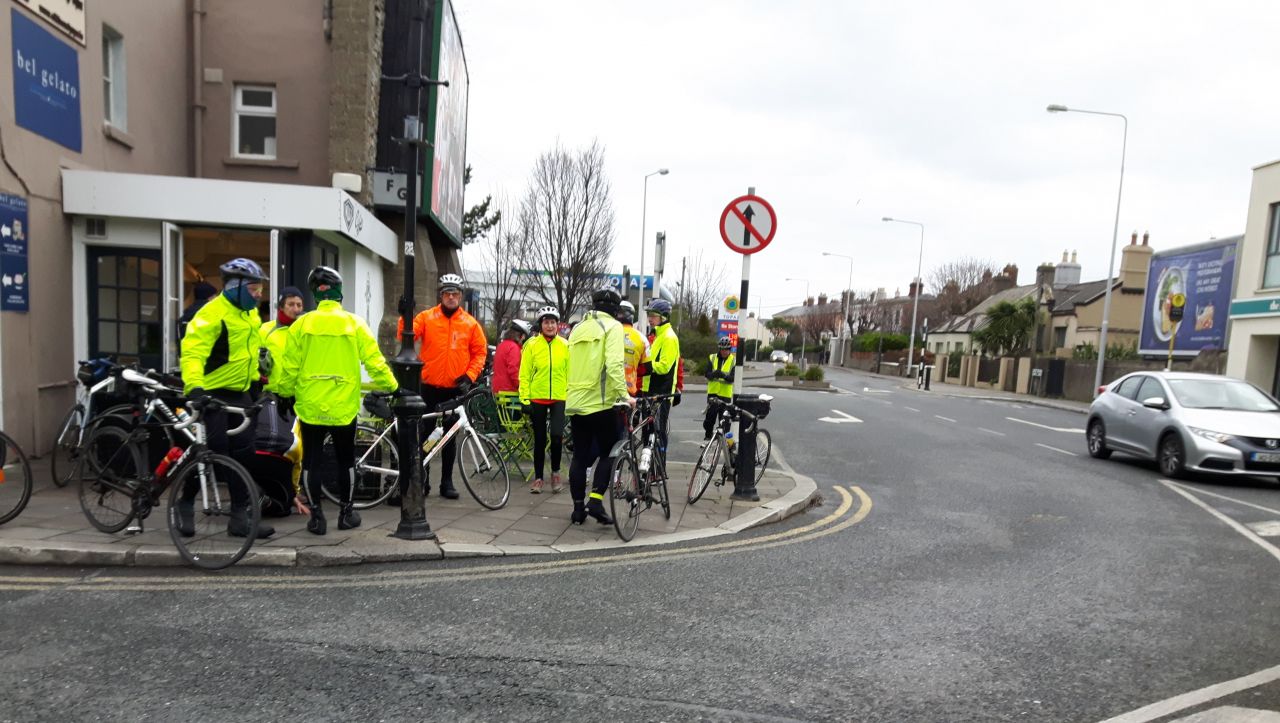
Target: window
[(1060, 337), (1150, 388), (115, 107), (254, 127), (1129, 387), (1271, 276), (95, 227)]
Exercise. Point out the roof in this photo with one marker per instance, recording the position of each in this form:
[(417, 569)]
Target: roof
[(976, 318), (1067, 298), (804, 310)]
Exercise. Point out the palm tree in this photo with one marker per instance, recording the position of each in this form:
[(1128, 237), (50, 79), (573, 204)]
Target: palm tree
[(1009, 328)]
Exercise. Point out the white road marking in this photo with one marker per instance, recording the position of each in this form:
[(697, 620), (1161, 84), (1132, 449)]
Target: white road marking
[(1073, 454), (877, 391), (1045, 426), (912, 409), (1018, 406), (1197, 697), (992, 431), (1232, 499), (945, 419), (842, 419), (1270, 528), (1249, 534)]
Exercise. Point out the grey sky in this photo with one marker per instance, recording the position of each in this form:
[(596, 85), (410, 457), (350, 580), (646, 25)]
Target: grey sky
[(927, 111)]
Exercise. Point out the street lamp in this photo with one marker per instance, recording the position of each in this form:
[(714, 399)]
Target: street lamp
[(1111, 260), (802, 331), (915, 302), (644, 210), (844, 308)]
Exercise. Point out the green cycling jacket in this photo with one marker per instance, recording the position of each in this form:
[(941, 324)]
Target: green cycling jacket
[(717, 387), (596, 376), (544, 369), (220, 349), (664, 353)]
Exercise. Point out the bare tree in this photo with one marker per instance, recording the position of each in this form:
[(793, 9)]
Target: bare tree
[(819, 319), (566, 219), (502, 252), (701, 288), (959, 284)]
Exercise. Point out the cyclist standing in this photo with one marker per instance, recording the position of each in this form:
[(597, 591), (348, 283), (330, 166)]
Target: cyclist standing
[(219, 361), (596, 381), (719, 382), (544, 365), (664, 363), (321, 373), (276, 332), (506, 360), (635, 348)]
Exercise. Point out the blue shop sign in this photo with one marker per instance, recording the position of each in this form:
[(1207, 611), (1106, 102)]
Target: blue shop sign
[(14, 284), (46, 83)]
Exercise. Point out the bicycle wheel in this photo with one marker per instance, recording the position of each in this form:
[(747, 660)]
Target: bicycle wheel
[(66, 446), (15, 479), (217, 488), (664, 499), (625, 502), (377, 469), (764, 447), (484, 472), (108, 469), (705, 468)]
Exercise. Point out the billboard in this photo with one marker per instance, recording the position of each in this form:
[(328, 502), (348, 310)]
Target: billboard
[(15, 284), (1205, 273), (46, 83), (447, 126)]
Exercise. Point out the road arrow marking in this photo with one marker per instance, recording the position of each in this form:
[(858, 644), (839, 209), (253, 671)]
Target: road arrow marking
[(842, 419), (1045, 426)]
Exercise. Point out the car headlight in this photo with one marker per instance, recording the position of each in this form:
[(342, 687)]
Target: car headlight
[(1218, 437)]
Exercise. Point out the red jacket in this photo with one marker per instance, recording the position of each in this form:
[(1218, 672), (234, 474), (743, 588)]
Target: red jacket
[(506, 367)]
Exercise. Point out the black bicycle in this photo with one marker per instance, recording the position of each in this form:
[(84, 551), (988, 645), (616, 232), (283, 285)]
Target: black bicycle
[(718, 461), (15, 479), (638, 480)]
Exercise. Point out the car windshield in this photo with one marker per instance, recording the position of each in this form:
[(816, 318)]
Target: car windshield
[(1221, 394)]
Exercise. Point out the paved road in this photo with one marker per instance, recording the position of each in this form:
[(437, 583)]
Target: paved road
[(970, 562)]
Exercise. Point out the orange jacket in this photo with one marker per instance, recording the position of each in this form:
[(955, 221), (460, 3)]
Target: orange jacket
[(451, 345)]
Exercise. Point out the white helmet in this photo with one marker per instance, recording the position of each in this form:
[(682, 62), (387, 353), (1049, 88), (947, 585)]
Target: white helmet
[(546, 311), (522, 326), (451, 282)]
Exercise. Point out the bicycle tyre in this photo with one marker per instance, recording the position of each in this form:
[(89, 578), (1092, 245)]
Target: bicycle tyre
[(624, 496), (764, 448), (705, 468), (484, 471), (66, 446), (108, 468), (13, 463), (373, 487), (663, 497), (212, 547)]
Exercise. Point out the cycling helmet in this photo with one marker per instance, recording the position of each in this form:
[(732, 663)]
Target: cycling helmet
[(661, 307), (606, 299), (325, 283), (546, 311), (242, 269), (627, 312), (451, 282), (724, 343), (522, 326)]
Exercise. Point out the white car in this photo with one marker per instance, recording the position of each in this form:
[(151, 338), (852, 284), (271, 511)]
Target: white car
[(779, 355)]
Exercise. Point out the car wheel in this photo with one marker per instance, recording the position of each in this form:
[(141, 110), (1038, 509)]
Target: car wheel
[(1172, 457), (1097, 439)]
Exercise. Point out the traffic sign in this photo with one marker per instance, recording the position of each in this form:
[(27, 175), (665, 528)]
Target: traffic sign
[(1178, 300), (1176, 304), (748, 224)]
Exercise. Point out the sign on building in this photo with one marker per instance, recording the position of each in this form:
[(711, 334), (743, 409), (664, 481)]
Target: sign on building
[(1204, 275), (65, 15), (448, 131), (46, 83), (15, 293)]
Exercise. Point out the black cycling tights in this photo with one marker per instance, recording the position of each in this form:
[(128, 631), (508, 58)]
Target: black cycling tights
[(344, 450), (540, 415), (593, 438)]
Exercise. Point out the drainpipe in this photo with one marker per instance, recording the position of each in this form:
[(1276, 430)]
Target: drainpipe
[(197, 88)]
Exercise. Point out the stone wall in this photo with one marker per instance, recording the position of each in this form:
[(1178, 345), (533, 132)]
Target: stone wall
[(356, 45)]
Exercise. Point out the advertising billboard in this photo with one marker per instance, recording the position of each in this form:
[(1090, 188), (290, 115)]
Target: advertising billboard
[(46, 83), (1205, 274), (448, 125)]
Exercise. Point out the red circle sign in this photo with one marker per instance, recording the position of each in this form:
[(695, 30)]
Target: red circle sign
[(748, 224)]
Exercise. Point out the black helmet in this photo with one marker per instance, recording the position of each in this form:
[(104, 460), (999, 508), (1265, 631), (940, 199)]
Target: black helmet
[(606, 299), (661, 307), (323, 276), (724, 343)]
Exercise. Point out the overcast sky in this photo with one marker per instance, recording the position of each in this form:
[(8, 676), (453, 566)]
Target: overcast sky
[(933, 112)]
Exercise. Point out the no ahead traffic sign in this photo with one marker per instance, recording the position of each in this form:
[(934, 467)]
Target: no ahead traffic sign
[(748, 224)]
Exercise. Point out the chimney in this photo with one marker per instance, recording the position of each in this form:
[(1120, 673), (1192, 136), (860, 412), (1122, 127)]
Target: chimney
[(822, 299), (897, 292), (986, 276), (1044, 274), (1068, 272), (1135, 261), (880, 294), (914, 289), (1007, 279), (1133, 240)]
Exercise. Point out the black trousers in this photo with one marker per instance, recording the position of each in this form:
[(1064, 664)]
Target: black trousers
[(542, 416), (239, 447), (593, 438), (433, 396), (344, 449), (713, 412)]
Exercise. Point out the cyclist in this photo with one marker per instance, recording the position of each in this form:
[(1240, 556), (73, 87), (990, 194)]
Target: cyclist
[(275, 333), (543, 366), (664, 363), (321, 374), (719, 382), (219, 360), (453, 350), (635, 348), (596, 381), (506, 360)]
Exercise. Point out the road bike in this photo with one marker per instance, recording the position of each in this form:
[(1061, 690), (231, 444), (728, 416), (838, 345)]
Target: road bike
[(96, 383), (718, 460), (480, 461), (638, 479), (15, 479), (117, 487)]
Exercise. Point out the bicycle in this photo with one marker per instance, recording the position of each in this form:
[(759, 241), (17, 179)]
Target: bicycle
[(96, 385), (639, 468), (15, 479), (117, 488), (480, 461), (723, 446)]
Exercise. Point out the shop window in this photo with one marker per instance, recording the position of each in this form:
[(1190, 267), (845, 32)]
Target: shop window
[(124, 305), (1271, 276), (115, 106), (254, 126)]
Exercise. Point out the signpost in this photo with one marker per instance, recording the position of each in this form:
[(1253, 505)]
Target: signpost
[(1177, 303)]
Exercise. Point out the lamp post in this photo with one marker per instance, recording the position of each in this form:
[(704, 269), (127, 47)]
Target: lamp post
[(915, 301), (1111, 259), (644, 211), (844, 307), (802, 331)]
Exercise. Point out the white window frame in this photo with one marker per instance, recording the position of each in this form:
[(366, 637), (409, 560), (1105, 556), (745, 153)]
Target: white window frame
[(238, 109), (1271, 250), (115, 80)]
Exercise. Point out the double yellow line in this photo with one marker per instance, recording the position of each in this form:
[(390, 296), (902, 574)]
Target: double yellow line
[(843, 517)]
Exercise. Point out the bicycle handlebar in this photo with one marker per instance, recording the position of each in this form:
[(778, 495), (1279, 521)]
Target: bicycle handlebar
[(453, 404)]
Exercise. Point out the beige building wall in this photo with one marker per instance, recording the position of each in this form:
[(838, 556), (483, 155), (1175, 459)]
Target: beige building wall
[(1255, 341)]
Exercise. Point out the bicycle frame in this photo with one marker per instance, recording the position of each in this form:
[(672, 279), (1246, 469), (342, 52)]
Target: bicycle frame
[(459, 425)]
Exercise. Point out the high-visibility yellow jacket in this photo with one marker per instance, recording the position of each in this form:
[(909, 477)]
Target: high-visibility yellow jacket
[(721, 387), (596, 377), (664, 353), (635, 353), (544, 369), (220, 349), (274, 338), (321, 368)]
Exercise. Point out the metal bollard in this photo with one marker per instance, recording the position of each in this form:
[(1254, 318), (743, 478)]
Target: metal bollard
[(928, 372), (409, 409)]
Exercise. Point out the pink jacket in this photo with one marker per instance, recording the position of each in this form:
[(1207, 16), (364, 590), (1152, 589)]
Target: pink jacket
[(506, 367)]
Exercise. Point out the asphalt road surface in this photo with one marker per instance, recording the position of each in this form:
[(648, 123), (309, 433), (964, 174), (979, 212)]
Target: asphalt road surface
[(969, 562)]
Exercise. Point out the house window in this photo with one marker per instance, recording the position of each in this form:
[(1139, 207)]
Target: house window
[(1271, 277), (115, 107), (1060, 337), (254, 126)]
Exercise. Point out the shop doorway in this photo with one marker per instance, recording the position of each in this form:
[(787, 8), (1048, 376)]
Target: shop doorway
[(125, 315)]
